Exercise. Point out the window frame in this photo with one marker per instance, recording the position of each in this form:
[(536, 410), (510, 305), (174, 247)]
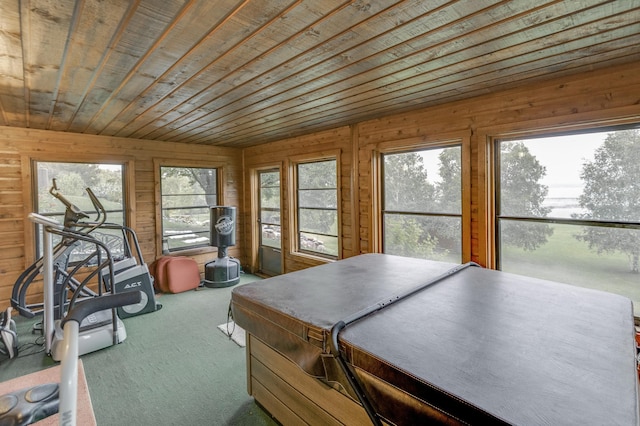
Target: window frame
[(422, 214), (496, 216), (294, 231), (441, 140), (29, 168), (158, 163), (485, 163)]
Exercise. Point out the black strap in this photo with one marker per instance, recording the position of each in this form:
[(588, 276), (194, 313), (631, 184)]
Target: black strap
[(340, 325)]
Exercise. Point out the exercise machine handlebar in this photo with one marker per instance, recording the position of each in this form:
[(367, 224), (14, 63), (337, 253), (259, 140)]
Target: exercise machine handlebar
[(74, 214), (68, 204), (101, 218), (45, 221), (69, 365), (108, 301)]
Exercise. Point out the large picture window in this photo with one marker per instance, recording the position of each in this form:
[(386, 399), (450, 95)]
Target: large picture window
[(421, 204), (568, 209), (317, 207), (106, 181), (187, 193)]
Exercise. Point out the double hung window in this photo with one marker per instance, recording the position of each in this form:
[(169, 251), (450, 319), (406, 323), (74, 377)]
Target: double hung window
[(421, 203), (106, 181), (317, 207), (186, 195)]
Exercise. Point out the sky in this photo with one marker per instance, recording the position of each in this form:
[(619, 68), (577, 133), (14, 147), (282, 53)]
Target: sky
[(563, 157)]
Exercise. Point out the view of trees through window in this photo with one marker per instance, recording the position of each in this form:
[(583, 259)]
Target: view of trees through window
[(187, 193), (568, 209), (105, 180), (421, 211), (318, 207), (269, 205)]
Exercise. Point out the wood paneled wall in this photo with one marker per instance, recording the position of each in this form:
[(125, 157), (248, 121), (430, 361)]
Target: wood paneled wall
[(19, 146), (598, 98)]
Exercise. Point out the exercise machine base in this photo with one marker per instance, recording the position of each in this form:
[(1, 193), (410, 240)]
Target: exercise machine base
[(90, 339)]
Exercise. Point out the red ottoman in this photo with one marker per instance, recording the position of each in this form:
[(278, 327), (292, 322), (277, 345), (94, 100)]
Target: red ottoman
[(175, 274)]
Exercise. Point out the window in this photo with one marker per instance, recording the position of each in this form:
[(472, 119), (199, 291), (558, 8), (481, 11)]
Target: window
[(105, 180), (421, 204), (187, 193), (568, 209), (269, 207), (317, 207)]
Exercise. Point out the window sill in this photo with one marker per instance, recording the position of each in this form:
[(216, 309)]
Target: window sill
[(320, 260), (192, 251)]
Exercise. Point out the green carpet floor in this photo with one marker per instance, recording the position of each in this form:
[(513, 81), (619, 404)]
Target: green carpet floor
[(174, 368)]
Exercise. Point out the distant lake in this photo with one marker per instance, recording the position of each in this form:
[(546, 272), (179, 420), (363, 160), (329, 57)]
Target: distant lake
[(563, 200)]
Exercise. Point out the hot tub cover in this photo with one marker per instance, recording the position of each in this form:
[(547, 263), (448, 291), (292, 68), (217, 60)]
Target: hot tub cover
[(477, 345)]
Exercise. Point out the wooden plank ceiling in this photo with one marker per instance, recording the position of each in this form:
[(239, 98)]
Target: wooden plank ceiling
[(243, 72)]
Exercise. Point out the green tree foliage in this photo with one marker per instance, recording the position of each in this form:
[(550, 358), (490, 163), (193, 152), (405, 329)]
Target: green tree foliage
[(72, 183), (270, 190), (612, 192), (173, 184), (208, 181), (521, 195), (448, 190), (199, 182), (72, 179), (108, 186), (404, 236), (446, 230), (86, 173), (406, 187)]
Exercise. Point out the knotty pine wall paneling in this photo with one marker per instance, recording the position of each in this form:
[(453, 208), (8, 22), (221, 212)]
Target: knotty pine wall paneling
[(19, 146), (592, 99)]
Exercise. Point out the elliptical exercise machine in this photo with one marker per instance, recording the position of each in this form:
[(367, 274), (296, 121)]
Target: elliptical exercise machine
[(62, 255), (98, 330), (130, 271), (92, 248)]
